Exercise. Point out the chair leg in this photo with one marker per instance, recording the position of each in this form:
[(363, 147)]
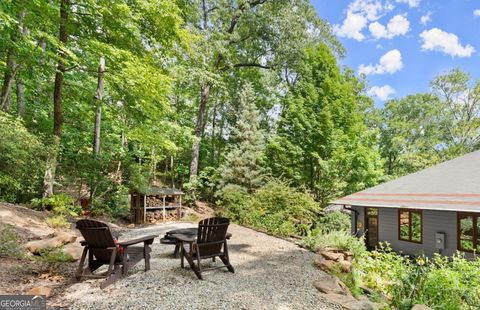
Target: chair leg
[(112, 262), (146, 256), (225, 258), (198, 270), (182, 256), (79, 273)]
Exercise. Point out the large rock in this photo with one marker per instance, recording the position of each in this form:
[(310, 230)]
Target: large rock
[(331, 285), (66, 236), (40, 290), (349, 302), (60, 238), (335, 256), (345, 265), (37, 246), (324, 264), (74, 250)]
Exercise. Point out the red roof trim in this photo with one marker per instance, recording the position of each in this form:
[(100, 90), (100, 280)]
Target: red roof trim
[(448, 202), (417, 195)]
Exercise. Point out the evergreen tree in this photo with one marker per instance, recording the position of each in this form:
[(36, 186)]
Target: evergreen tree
[(243, 161)]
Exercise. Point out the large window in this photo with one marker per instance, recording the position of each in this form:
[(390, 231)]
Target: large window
[(410, 225), (468, 227)]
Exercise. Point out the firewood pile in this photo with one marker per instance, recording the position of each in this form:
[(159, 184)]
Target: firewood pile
[(157, 216), (153, 201)]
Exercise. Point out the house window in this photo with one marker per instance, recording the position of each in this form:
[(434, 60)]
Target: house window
[(410, 225), (468, 227)]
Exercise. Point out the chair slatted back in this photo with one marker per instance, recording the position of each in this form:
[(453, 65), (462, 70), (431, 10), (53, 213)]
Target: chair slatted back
[(211, 234), (98, 236)]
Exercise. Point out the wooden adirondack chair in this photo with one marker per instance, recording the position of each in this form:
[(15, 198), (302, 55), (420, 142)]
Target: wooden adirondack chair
[(103, 249), (211, 242)]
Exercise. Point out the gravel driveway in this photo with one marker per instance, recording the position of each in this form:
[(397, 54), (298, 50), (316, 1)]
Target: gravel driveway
[(270, 273)]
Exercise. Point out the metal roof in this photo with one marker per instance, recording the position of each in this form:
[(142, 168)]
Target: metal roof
[(160, 191), (453, 185)]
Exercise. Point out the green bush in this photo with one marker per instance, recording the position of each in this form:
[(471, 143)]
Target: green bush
[(57, 221), (59, 204), (52, 260), (276, 208), (341, 240), (10, 243), (440, 282), (334, 221), (204, 187), (22, 161)]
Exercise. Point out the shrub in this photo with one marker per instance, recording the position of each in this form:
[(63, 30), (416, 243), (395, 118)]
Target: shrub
[(276, 208), (22, 161), (10, 243), (59, 204), (57, 221), (52, 260), (341, 240), (334, 221), (204, 187)]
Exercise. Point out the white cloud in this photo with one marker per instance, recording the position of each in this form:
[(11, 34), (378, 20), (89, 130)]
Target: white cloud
[(352, 27), (448, 43), (411, 3), (476, 13), (383, 93), (425, 19), (391, 62), (359, 13), (398, 25)]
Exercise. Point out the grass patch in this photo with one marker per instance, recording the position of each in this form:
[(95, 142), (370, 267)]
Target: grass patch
[(10, 242)]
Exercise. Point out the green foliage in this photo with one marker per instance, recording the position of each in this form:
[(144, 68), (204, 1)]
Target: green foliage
[(276, 208), (335, 221), (57, 221), (323, 141), (341, 240), (10, 243), (60, 204), (440, 282), (21, 161), (51, 260), (243, 162), (203, 187)]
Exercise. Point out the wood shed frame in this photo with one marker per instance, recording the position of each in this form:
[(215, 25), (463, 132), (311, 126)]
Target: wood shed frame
[(139, 206)]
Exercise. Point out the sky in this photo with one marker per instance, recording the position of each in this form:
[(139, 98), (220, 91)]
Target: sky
[(401, 45)]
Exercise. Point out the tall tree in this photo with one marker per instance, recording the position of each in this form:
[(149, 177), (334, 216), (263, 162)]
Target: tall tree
[(323, 142), (243, 162), (261, 34)]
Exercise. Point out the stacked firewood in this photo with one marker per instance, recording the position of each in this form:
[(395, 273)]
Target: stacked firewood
[(153, 201), (157, 216)]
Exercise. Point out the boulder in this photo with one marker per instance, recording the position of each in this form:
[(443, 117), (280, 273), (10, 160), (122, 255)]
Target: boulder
[(65, 237), (131, 225), (331, 285), (40, 290), (60, 238), (421, 307), (74, 250), (335, 256), (38, 245), (345, 265), (349, 302), (324, 264)]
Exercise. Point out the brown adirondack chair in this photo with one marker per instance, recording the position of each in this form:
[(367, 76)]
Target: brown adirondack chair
[(211, 242), (103, 249)]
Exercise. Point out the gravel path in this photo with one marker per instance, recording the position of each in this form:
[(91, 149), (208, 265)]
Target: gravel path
[(270, 273)]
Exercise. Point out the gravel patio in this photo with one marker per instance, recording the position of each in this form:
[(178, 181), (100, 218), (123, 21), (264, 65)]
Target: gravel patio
[(270, 273)]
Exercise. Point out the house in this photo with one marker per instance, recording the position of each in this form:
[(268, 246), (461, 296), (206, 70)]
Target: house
[(435, 210)]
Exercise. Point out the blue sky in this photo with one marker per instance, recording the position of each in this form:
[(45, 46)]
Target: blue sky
[(403, 44)]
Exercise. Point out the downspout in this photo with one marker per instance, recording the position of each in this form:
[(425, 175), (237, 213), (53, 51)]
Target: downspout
[(355, 218)]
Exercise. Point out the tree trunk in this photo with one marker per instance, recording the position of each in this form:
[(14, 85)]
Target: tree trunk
[(5, 98), (59, 76), (49, 177), (198, 130), (98, 112), (19, 80)]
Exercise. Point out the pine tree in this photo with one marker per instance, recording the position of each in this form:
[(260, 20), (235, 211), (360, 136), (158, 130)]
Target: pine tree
[(243, 161)]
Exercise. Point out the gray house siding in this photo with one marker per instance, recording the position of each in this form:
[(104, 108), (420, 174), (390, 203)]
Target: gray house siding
[(432, 222)]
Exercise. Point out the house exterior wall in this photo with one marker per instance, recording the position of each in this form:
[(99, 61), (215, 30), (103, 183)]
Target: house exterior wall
[(432, 222)]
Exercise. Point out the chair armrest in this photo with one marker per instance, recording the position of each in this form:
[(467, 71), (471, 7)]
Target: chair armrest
[(182, 238), (137, 240), (83, 242)]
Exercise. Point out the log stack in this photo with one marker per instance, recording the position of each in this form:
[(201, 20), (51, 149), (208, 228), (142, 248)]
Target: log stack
[(157, 216)]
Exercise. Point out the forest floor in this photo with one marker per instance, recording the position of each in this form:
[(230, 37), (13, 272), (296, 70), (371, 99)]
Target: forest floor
[(270, 273)]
